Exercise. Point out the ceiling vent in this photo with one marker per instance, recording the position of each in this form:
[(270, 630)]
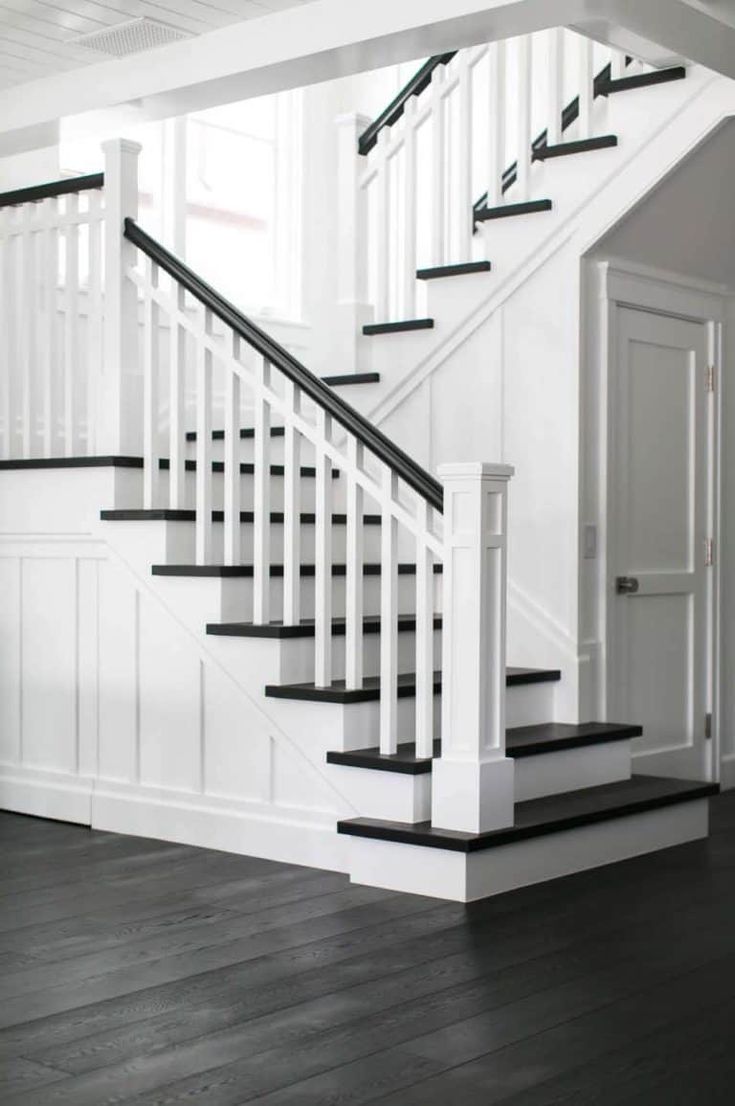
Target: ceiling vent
[(131, 37)]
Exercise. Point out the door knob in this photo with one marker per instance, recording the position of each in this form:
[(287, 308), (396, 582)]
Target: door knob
[(626, 585)]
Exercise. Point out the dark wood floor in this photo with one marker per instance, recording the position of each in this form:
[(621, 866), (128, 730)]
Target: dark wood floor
[(137, 971)]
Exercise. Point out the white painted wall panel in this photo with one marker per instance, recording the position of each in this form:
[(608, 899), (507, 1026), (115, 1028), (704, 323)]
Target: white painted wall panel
[(9, 659), (118, 683), (87, 629), (237, 749)]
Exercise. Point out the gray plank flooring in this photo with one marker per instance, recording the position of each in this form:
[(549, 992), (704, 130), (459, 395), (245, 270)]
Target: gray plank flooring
[(152, 973)]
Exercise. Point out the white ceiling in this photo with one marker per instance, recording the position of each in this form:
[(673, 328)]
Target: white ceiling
[(35, 35)]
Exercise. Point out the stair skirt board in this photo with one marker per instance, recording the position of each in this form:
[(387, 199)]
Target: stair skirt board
[(465, 877), (405, 797)]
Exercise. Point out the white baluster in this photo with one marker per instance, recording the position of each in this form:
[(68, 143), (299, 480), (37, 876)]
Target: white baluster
[(464, 168), (27, 321), (354, 606), (586, 90), (496, 57), (204, 446), (424, 635), (117, 417), (353, 310), (231, 457), (383, 227), (555, 41), (6, 358), (292, 510), (472, 781), (388, 616), (94, 313), (176, 391), (261, 497), (523, 181), (438, 168), (408, 257), (71, 323), (617, 65), (151, 452), (48, 328), (323, 557)]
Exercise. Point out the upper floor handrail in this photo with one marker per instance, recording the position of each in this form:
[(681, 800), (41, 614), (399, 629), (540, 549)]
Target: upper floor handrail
[(420, 80), (54, 188), (356, 424)]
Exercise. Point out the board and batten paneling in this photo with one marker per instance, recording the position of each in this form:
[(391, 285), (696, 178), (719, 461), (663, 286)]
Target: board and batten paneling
[(112, 713)]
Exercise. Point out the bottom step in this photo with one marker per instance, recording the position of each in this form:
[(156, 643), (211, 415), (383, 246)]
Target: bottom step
[(551, 837)]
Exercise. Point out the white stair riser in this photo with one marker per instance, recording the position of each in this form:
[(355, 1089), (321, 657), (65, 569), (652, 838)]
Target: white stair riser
[(344, 727), (306, 497), (465, 877), (400, 797)]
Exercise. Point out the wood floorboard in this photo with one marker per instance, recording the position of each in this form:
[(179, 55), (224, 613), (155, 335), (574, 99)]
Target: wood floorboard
[(136, 971)]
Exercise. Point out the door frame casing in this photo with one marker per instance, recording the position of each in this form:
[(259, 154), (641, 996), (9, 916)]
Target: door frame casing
[(622, 284)]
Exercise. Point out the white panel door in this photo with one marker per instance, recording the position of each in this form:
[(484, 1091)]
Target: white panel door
[(659, 528)]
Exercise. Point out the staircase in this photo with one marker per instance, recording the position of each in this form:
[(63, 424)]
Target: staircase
[(359, 599)]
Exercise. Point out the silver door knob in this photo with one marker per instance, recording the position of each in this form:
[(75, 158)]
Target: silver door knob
[(626, 585)]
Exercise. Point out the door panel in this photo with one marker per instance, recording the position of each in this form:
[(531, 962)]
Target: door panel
[(658, 670)]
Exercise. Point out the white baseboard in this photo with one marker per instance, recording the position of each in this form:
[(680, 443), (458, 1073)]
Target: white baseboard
[(44, 794), (727, 773)]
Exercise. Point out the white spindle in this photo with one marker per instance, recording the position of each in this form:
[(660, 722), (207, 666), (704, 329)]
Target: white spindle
[(6, 358), (71, 322), (424, 635), (94, 313), (496, 122), (617, 64), (231, 457), (523, 178), (292, 510), (586, 90), (48, 324), (556, 85), (323, 557), (388, 617), (354, 605), (176, 396), (261, 497), (472, 781), (408, 259), (27, 325), (464, 154), (352, 308), (383, 227), (151, 453), (438, 168), (204, 446)]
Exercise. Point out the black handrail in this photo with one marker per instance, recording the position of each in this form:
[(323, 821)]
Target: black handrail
[(54, 188), (368, 435), (420, 80)]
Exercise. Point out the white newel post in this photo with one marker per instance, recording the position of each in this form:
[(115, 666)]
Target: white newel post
[(472, 781), (119, 421), (353, 310)]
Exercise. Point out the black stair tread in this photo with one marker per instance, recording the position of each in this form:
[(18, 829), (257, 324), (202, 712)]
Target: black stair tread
[(247, 468), (305, 628), (245, 432), (641, 80), (539, 817), (584, 145), (169, 514), (81, 462), (351, 378), (438, 272), (503, 211), (337, 693), (397, 327), (520, 741), (246, 570)]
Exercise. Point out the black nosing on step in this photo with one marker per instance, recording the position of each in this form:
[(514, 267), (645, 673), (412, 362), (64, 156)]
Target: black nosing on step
[(247, 468), (505, 211), (441, 271), (73, 463), (541, 817), (245, 432), (370, 569), (520, 741), (167, 514), (564, 149), (351, 378), (641, 80), (398, 327), (370, 690), (305, 628)]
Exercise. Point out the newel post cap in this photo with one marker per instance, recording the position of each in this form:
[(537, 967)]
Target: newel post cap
[(475, 469)]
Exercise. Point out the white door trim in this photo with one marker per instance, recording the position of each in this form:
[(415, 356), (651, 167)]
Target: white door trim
[(622, 284)]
